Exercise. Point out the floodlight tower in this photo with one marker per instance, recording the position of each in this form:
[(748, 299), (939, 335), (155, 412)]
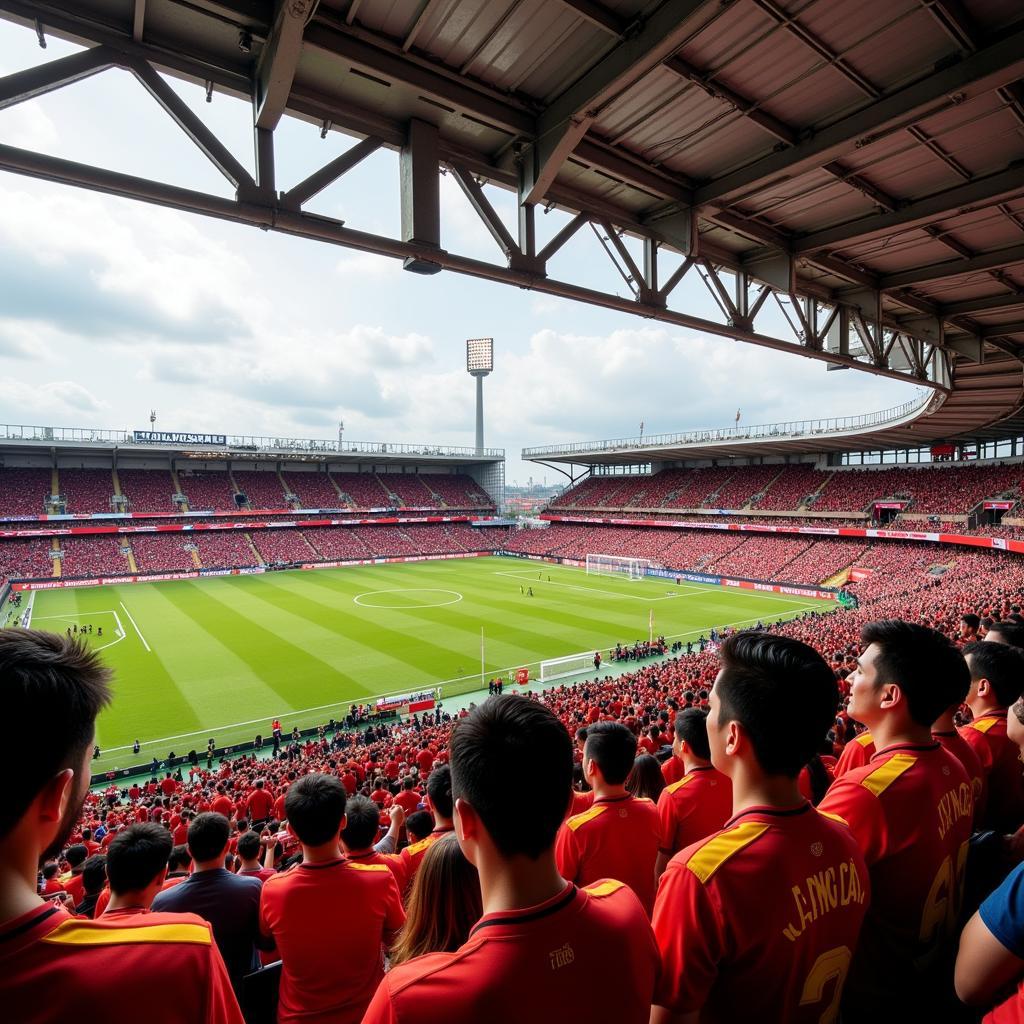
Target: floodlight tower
[(479, 363)]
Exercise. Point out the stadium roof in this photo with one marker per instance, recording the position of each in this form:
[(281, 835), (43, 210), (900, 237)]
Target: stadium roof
[(858, 164)]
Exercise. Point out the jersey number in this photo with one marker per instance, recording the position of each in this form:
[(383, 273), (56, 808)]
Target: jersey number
[(830, 966), (942, 907)]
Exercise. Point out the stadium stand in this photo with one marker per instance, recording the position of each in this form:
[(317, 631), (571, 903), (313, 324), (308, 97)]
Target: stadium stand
[(24, 492), (744, 485), (148, 490), (362, 490), (86, 490), (261, 487), (282, 545), (338, 544), (314, 490), (26, 559), (206, 489), (409, 489), (457, 491), (223, 549), (91, 556), (162, 552), (791, 488)]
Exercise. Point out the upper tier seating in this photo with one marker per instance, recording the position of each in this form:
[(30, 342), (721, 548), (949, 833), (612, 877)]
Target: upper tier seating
[(744, 484), (24, 492), (261, 487), (282, 545), (26, 558), (314, 490), (148, 490), (364, 490), (409, 489), (209, 490), (162, 552), (791, 487), (86, 490), (92, 556)]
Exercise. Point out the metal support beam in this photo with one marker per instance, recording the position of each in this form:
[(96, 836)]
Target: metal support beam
[(983, 305), (1003, 330), (55, 74), (138, 19), (300, 194), (266, 175), (996, 65), (421, 194), (276, 69), (485, 211), (597, 15), (980, 192), (562, 237), (564, 123), (216, 152), (996, 259)]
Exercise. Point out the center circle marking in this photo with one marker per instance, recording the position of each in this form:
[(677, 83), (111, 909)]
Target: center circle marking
[(454, 595)]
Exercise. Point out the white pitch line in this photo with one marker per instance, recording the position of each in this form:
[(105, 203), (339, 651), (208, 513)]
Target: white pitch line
[(136, 625), (595, 590), (121, 635)]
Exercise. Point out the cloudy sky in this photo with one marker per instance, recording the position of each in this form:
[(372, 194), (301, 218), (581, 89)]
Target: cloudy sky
[(109, 308)]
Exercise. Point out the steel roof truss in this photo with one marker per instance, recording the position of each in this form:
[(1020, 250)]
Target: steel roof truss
[(275, 71), (55, 74)]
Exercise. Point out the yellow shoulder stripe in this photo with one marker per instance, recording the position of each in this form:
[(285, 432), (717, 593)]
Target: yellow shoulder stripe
[(419, 847), (885, 775), (715, 852), (864, 739), (605, 888), (368, 867), (679, 785), (87, 933), (834, 817), (984, 724), (578, 820)]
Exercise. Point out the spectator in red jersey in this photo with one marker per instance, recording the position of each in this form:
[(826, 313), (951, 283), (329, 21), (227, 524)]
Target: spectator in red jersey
[(136, 869), (360, 832), (75, 856), (543, 947), (444, 903), (910, 810), (619, 836), (222, 803), (52, 965), (179, 865), (260, 805), (439, 793), (732, 947), (409, 798), (228, 902), (51, 885), (425, 758), (249, 850), (419, 825), (328, 916), (701, 801), (94, 878)]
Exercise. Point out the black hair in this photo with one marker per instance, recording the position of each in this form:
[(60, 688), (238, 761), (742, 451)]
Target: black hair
[(692, 729), (613, 747), (94, 874), (1012, 633), (363, 823), (179, 858), (77, 854), (248, 845), (1001, 665), (439, 789), (315, 806), (505, 747), (136, 856), (419, 825), (51, 678), (971, 620), (208, 835), (782, 693), (927, 666)]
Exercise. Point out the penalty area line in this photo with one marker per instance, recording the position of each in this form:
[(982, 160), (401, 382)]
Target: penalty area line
[(135, 624)]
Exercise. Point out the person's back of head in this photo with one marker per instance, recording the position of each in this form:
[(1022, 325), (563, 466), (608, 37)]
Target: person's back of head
[(645, 779), (444, 903), (780, 692), (419, 825), (179, 859), (53, 679), (1010, 633), (94, 874), (208, 835), (691, 728), (506, 747), (76, 855), (1001, 665), (612, 747), (926, 665), (248, 845), (362, 824), (137, 857), (315, 808), (50, 869), (439, 789)]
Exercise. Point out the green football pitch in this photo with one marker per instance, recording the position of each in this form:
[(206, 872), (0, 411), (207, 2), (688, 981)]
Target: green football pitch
[(221, 656)]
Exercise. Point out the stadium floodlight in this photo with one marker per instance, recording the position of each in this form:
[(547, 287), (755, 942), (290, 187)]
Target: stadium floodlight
[(479, 363)]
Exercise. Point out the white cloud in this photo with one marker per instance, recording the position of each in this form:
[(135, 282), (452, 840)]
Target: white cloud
[(50, 403)]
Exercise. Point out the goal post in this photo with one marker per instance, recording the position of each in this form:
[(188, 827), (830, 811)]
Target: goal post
[(617, 565), (570, 665)]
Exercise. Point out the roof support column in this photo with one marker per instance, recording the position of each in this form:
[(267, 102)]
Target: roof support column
[(421, 194)]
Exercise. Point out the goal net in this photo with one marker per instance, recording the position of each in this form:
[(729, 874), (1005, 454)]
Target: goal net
[(570, 665), (617, 565)]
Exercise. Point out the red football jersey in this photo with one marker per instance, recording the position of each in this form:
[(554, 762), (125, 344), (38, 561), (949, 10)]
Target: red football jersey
[(412, 855), (1000, 759), (911, 811), (672, 770), (855, 754), (52, 965), (692, 808), (392, 861), (964, 753), (617, 838), (329, 922), (586, 955), (759, 922)]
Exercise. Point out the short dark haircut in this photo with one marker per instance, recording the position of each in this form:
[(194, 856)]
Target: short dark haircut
[(179, 858), (248, 845), (782, 693), (136, 856), (77, 854), (692, 729), (1001, 665), (439, 789), (362, 824), (613, 747), (208, 835), (971, 620), (505, 747), (46, 678), (419, 824), (315, 806), (927, 666), (1012, 633), (94, 873)]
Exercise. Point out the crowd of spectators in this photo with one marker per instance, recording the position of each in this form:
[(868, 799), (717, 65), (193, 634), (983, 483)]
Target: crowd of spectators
[(208, 489), (25, 492), (458, 491), (362, 490), (161, 552), (281, 546), (26, 558), (148, 490), (92, 556), (314, 490), (219, 549), (86, 490), (261, 486), (791, 488)]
